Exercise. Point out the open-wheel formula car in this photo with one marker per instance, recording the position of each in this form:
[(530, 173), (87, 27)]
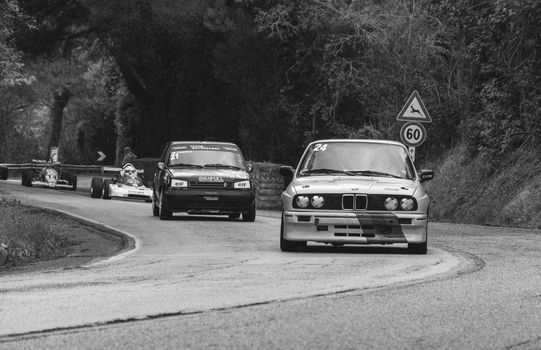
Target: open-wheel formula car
[(48, 174), (126, 184)]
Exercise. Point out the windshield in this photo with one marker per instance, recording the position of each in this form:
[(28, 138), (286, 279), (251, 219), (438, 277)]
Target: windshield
[(356, 158), (206, 156)]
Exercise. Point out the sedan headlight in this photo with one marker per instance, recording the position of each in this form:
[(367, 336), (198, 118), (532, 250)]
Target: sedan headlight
[(175, 183), (407, 203), (391, 203), (317, 201), (302, 201), (242, 184)]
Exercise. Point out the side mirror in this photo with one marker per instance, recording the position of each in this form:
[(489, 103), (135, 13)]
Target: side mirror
[(426, 175), (160, 166), (287, 172), (249, 166)]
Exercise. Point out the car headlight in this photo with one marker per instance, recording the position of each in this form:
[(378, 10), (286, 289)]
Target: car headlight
[(242, 184), (391, 203), (302, 201), (175, 183), (407, 203), (317, 201)]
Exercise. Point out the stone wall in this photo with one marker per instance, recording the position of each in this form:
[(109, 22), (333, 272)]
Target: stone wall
[(269, 185)]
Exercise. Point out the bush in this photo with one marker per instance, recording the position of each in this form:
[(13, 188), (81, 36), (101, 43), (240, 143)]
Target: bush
[(29, 233)]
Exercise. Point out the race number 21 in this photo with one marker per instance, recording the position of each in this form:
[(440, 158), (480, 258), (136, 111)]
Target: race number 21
[(413, 134)]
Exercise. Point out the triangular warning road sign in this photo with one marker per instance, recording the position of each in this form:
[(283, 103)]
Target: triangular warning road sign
[(414, 110)]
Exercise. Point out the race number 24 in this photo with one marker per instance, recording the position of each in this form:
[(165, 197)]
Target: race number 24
[(413, 134)]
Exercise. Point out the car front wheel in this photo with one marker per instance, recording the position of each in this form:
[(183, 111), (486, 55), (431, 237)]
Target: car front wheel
[(106, 193), (250, 215), (96, 187), (165, 211), (289, 246), (417, 248), (155, 207)]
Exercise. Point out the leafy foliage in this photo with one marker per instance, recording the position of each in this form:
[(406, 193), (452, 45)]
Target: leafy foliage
[(273, 75)]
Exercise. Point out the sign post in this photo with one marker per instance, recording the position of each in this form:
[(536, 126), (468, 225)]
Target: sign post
[(53, 158), (414, 112)]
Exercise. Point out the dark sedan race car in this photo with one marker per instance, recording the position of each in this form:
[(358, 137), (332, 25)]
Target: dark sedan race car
[(203, 178), (355, 192)]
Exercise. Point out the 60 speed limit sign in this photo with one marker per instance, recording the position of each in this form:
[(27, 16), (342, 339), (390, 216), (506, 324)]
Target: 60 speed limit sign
[(413, 134)]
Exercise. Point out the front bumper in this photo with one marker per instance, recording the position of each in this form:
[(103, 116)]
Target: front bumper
[(40, 183), (355, 227), (210, 202), (133, 193)]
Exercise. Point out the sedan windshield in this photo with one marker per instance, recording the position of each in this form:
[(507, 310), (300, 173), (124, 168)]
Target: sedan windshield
[(206, 158), (357, 159)]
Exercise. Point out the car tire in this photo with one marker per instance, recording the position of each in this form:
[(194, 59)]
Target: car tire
[(249, 216), (27, 178), (155, 207), (96, 187), (420, 248), (234, 216), (164, 210), (289, 246), (106, 193), (73, 181), (417, 248), (4, 173)]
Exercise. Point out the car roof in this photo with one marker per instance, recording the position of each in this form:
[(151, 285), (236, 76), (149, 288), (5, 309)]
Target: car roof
[(173, 143), (387, 142)]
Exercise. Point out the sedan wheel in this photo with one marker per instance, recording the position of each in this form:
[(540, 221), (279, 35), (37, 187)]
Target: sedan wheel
[(289, 246), (165, 211), (155, 207)]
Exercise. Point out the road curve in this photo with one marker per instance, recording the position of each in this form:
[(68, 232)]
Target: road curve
[(194, 264)]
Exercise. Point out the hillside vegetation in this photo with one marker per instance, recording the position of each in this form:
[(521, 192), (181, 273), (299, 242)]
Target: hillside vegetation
[(472, 190), (272, 75)]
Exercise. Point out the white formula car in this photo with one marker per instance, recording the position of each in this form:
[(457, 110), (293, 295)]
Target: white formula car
[(124, 185)]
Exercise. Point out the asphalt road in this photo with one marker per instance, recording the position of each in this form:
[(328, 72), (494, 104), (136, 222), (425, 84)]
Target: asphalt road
[(207, 282)]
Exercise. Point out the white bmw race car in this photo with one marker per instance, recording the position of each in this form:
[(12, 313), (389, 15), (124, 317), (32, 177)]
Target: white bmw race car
[(124, 185), (355, 192)]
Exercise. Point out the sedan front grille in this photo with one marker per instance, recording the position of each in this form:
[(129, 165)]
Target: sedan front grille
[(209, 185)]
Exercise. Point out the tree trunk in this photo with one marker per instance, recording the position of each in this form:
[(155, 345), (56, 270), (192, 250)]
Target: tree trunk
[(60, 99)]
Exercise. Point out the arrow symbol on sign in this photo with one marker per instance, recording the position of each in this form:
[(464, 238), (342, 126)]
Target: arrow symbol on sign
[(102, 156)]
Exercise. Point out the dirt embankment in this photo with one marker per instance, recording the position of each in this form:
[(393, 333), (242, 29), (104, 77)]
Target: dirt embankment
[(478, 191)]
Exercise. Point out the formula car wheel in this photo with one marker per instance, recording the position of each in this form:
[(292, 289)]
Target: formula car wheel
[(165, 211), (96, 187), (250, 215), (106, 193), (27, 178), (4, 173), (289, 246), (73, 181), (155, 207)]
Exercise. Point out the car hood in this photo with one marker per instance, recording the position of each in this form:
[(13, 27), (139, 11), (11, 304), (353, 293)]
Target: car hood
[(353, 184), (209, 174)]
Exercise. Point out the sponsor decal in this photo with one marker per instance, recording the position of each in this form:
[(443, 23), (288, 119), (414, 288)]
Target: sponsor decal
[(210, 179), (205, 147)]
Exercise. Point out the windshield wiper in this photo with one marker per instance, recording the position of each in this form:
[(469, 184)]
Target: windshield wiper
[(374, 173), (186, 165), (325, 171), (222, 166)]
